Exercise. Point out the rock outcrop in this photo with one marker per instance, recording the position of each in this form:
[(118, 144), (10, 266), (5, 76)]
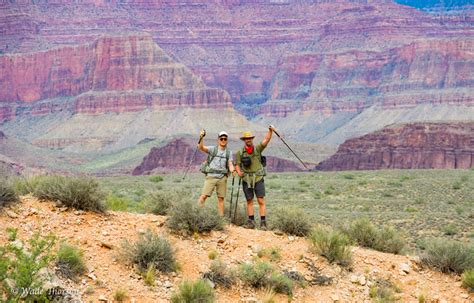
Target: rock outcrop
[(176, 155), (408, 146)]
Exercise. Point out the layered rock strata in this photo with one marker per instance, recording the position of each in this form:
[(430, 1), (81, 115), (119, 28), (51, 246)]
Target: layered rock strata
[(408, 146)]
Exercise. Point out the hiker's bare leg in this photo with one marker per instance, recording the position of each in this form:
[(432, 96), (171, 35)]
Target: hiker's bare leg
[(261, 206), (220, 205), (250, 207), (202, 199)]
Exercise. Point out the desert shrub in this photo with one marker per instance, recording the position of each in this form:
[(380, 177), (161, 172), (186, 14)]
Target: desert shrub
[(448, 256), (365, 234), (27, 185), (263, 275), (272, 253), (190, 218), (281, 284), (149, 277), (213, 254), (20, 266), (383, 291), (240, 216), (333, 245), (76, 192), (150, 250), (70, 261), (156, 179), (219, 274), (116, 203), (269, 296), (256, 275), (7, 193), (468, 279), (198, 291), (291, 220), (159, 202), (120, 295)]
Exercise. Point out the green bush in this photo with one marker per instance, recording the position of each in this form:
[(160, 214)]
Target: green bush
[(120, 295), (190, 218), (7, 193), (273, 254), (24, 186), (448, 256), (116, 203), (156, 179), (256, 275), (281, 284), (332, 245), (219, 274), (159, 202), (365, 234), (291, 220), (199, 292), (70, 261), (241, 215), (20, 266), (76, 192), (150, 250), (468, 279)]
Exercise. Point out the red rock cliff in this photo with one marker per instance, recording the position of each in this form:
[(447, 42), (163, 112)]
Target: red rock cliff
[(409, 146), (177, 154)]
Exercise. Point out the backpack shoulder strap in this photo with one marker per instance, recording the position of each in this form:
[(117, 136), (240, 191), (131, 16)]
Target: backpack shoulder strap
[(211, 156)]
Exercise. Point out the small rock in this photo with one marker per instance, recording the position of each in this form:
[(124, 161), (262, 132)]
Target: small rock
[(105, 233), (11, 214), (167, 284), (221, 241), (405, 268), (362, 280), (278, 233), (103, 298), (92, 276), (106, 245), (160, 224), (154, 220), (335, 298), (291, 238), (464, 296), (353, 278), (141, 231), (250, 300)]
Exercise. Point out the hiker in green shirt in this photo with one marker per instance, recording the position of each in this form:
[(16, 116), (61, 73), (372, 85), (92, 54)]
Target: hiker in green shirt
[(218, 168), (250, 168)]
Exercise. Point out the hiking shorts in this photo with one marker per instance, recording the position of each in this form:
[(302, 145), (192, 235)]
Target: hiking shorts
[(219, 184), (259, 190)]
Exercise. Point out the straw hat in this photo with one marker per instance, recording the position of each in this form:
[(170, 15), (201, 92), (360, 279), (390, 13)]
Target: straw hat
[(247, 135)]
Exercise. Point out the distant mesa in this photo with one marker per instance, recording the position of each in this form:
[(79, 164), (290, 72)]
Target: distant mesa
[(176, 156), (407, 146)]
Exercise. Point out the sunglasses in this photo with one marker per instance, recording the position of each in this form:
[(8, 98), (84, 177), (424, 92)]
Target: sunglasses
[(223, 139)]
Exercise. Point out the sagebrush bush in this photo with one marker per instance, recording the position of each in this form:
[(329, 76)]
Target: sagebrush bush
[(20, 266), (27, 185), (120, 295), (70, 261), (150, 250), (291, 220), (256, 275), (272, 253), (116, 203), (7, 193), (220, 274), (281, 284), (190, 218), (448, 255), (199, 291), (263, 275), (365, 234), (333, 245), (156, 179), (240, 218), (76, 192), (468, 279), (159, 202)]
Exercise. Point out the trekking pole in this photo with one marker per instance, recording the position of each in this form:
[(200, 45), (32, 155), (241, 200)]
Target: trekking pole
[(194, 156), (291, 150), (237, 199), (231, 196)]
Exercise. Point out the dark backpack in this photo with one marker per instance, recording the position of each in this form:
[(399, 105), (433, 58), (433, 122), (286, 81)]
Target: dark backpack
[(247, 160), (205, 169)]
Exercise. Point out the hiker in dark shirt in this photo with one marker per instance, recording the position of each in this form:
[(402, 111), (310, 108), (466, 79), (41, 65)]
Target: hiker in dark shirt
[(250, 168), (220, 163)]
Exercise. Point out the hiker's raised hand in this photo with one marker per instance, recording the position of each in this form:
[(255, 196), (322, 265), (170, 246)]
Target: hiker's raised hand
[(202, 134)]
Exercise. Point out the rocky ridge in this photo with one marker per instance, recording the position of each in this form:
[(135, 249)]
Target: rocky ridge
[(408, 146), (100, 238)]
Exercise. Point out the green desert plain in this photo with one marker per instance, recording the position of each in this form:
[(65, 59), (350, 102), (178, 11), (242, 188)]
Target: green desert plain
[(420, 204)]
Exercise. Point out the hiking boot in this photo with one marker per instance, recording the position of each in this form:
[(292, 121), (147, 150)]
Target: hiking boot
[(250, 224), (263, 225)]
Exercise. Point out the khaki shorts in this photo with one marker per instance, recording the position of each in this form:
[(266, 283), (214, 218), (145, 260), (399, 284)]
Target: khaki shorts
[(219, 184)]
